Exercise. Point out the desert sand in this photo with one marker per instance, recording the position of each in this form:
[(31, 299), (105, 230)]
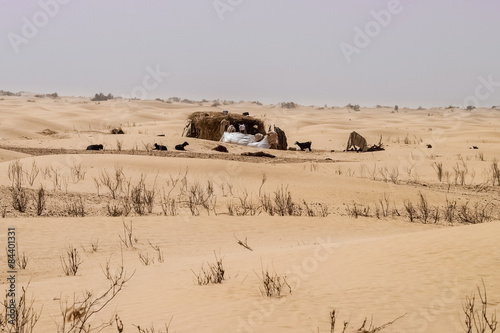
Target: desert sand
[(377, 267)]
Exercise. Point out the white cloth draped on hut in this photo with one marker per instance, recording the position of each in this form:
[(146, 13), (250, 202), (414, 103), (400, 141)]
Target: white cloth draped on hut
[(245, 140)]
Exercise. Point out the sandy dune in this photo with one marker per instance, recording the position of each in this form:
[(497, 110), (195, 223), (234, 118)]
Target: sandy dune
[(363, 267)]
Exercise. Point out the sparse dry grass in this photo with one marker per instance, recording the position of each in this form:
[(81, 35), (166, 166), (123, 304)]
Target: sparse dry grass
[(214, 274)]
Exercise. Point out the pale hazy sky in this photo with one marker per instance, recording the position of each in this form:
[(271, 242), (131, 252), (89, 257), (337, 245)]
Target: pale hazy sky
[(409, 53)]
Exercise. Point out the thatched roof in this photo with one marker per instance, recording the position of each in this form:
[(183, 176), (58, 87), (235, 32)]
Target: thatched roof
[(207, 125)]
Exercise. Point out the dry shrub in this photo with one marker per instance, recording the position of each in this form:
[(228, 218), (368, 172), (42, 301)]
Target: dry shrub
[(128, 238), (20, 199), (76, 207), (214, 274), (357, 210), (40, 201), (71, 262), (32, 174), (473, 215), (438, 167), (152, 329), (478, 320), (25, 318), (495, 173), (76, 316), (77, 173), (274, 285), (113, 182), (16, 174)]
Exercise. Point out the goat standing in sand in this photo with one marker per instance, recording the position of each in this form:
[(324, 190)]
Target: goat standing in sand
[(304, 145), (356, 140)]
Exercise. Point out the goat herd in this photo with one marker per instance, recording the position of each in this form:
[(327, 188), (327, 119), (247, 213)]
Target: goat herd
[(157, 147), (303, 146)]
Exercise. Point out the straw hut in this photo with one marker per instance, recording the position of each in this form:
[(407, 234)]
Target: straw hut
[(211, 125)]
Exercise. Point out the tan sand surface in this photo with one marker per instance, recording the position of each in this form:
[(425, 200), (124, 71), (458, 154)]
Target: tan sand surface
[(381, 267)]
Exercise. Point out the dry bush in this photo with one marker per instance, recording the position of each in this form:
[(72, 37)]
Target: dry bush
[(450, 211), (77, 316), (382, 208), (274, 285), (478, 320), (477, 214), (283, 203), (495, 173), (121, 207), (160, 257), (214, 274), (20, 199), (152, 329), (423, 208), (461, 172), (40, 201), (266, 204), (358, 210), (438, 167), (353, 107), (147, 146), (374, 329), (145, 259), (246, 206), (113, 182), (94, 246), (32, 174), (315, 209), (23, 319), (119, 145), (169, 206), (77, 173), (16, 174), (75, 207), (21, 258), (71, 262), (197, 196), (128, 238), (391, 175), (333, 320), (55, 176), (410, 210)]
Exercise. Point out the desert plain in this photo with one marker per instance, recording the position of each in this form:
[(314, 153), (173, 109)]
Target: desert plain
[(405, 234)]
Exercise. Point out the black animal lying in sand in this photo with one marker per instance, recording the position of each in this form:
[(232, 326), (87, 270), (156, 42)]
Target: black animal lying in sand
[(95, 147), (181, 147), (220, 148), (304, 145), (159, 147), (258, 154)]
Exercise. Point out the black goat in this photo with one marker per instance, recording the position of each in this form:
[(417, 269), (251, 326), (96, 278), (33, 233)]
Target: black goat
[(159, 147), (95, 147), (246, 113), (181, 147), (304, 145), (220, 148), (429, 145)]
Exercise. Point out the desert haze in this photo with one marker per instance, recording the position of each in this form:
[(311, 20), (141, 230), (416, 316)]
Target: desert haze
[(131, 239)]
